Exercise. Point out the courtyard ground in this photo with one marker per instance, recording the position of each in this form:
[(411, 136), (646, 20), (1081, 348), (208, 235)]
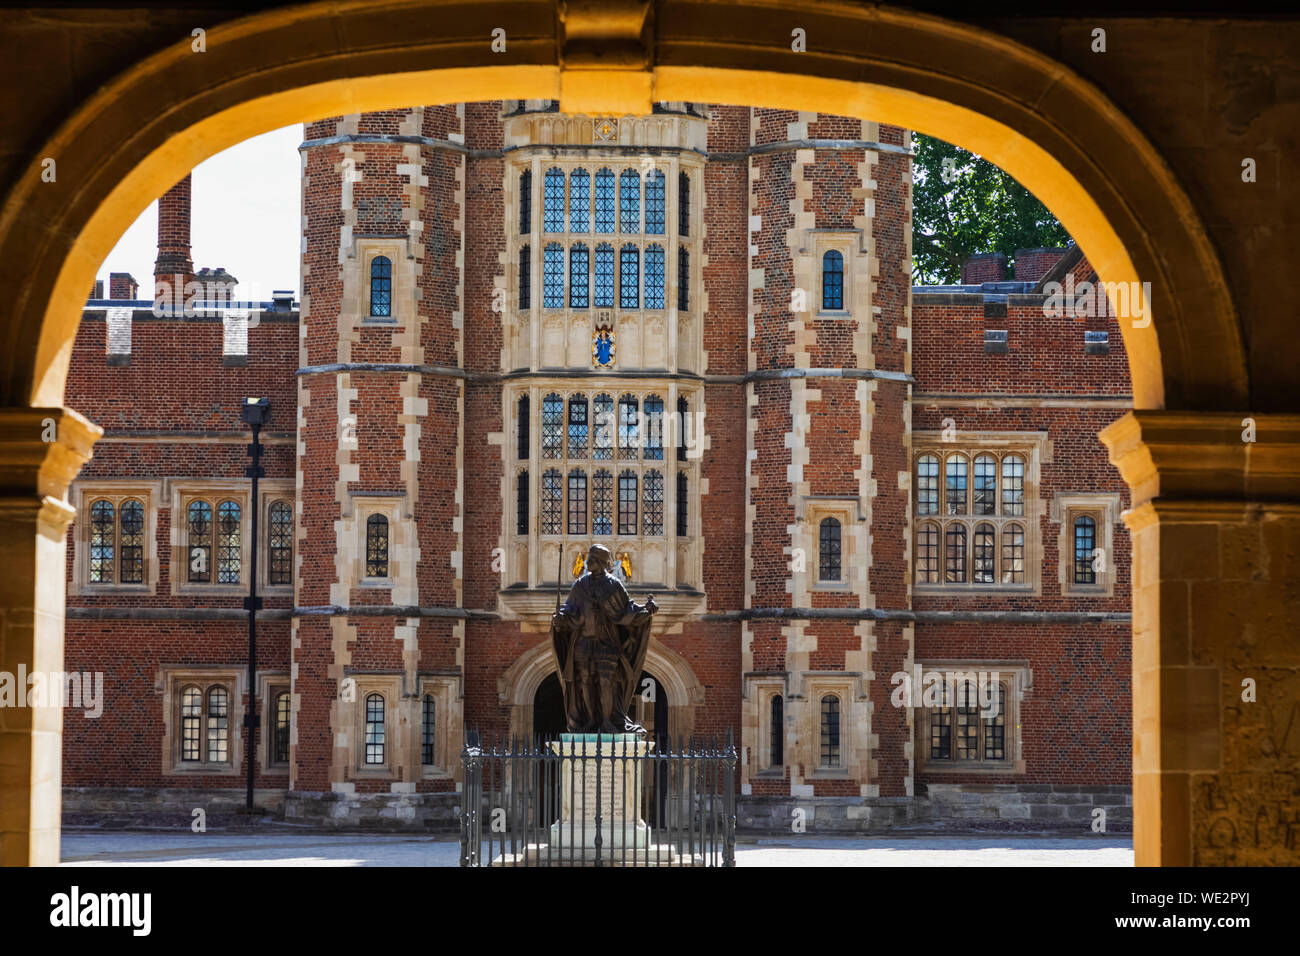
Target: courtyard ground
[(279, 848)]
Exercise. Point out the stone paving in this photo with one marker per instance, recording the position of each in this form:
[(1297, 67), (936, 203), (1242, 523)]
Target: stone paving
[(280, 848)]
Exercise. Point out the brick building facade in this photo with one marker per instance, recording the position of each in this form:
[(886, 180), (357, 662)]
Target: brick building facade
[(690, 336)]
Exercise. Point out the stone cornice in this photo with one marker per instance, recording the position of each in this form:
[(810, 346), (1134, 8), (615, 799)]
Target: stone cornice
[(41, 451), (1168, 456)]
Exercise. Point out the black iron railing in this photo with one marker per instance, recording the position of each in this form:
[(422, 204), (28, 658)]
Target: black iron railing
[(598, 801)]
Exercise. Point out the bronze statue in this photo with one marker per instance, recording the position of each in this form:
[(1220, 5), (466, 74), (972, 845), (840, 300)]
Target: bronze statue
[(600, 637)]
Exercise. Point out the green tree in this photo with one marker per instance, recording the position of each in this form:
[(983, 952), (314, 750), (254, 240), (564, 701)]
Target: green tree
[(963, 205)]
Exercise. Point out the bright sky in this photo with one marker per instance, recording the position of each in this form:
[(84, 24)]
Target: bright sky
[(245, 216)]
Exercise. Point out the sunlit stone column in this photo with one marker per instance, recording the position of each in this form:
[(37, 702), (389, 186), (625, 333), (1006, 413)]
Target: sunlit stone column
[(41, 451), (1216, 610)]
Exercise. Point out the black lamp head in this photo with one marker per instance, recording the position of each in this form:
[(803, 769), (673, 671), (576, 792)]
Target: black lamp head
[(255, 411)]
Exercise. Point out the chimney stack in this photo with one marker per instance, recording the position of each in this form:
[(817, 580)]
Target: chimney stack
[(174, 266), (122, 285), (985, 267)]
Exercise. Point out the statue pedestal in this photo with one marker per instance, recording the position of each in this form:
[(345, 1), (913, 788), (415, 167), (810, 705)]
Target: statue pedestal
[(617, 771)]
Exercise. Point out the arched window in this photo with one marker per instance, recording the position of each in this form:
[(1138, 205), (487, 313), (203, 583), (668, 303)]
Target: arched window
[(191, 723), (927, 485), (200, 542), (683, 204), (428, 736), (577, 426), (627, 502), (521, 502), (832, 281), (229, 552), (628, 439), (525, 278), (629, 275), (552, 425), (131, 541), (218, 725), (579, 200), (577, 501), (279, 543), (1013, 554), (525, 202), (927, 553), (983, 569), (553, 276), (553, 201), (1013, 485), (954, 492), (776, 732), (954, 570), (551, 495), (654, 277), (604, 201), (654, 203), (603, 424), (652, 503), (1085, 541), (828, 545), (579, 271), (629, 201), (830, 736), (683, 504), (604, 273), (102, 542), (377, 546), (985, 491), (280, 737), (683, 279), (375, 729), (524, 437), (654, 428), (683, 418), (381, 286), (602, 503)]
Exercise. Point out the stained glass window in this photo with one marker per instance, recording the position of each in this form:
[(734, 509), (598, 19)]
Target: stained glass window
[(280, 543), (579, 200), (604, 201), (553, 201), (551, 501), (229, 552), (577, 501), (652, 503), (629, 201), (374, 729), (377, 546), (654, 277), (627, 503), (629, 274), (579, 269), (654, 203), (602, 503), (832, 281), (553, 276), (381, 286), (604, 275), (102, 537), (829, 545)]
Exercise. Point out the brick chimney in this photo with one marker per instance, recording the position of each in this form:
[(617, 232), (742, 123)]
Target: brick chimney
[(174, 266), (217, 285), (986, 267), (1032, 264), (122, 285)]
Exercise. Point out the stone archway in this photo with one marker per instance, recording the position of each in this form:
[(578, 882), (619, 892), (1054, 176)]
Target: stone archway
[(1196, 485), (517, 686)]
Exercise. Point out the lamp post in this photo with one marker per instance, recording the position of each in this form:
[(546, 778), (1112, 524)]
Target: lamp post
[(254, 412)]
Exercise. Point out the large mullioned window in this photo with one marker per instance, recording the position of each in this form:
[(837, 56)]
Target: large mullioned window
[(117, 534), (973, 732)]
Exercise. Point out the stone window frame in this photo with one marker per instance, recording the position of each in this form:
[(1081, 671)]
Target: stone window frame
[(183, 492), (844, 686), (536, 466), (170, 681), (396, 729), (269, 686), (847, 509), (365, 249), (1017, 677), (1104, 508), (392, 508), (82, 495), (1036, 450), (445, 690), (762, 691), (850, 244)]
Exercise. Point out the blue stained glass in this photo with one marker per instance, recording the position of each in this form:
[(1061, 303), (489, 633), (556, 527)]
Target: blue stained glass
[(832, 280)]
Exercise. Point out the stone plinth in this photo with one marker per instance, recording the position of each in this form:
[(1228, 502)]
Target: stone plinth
[(621, 782)]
